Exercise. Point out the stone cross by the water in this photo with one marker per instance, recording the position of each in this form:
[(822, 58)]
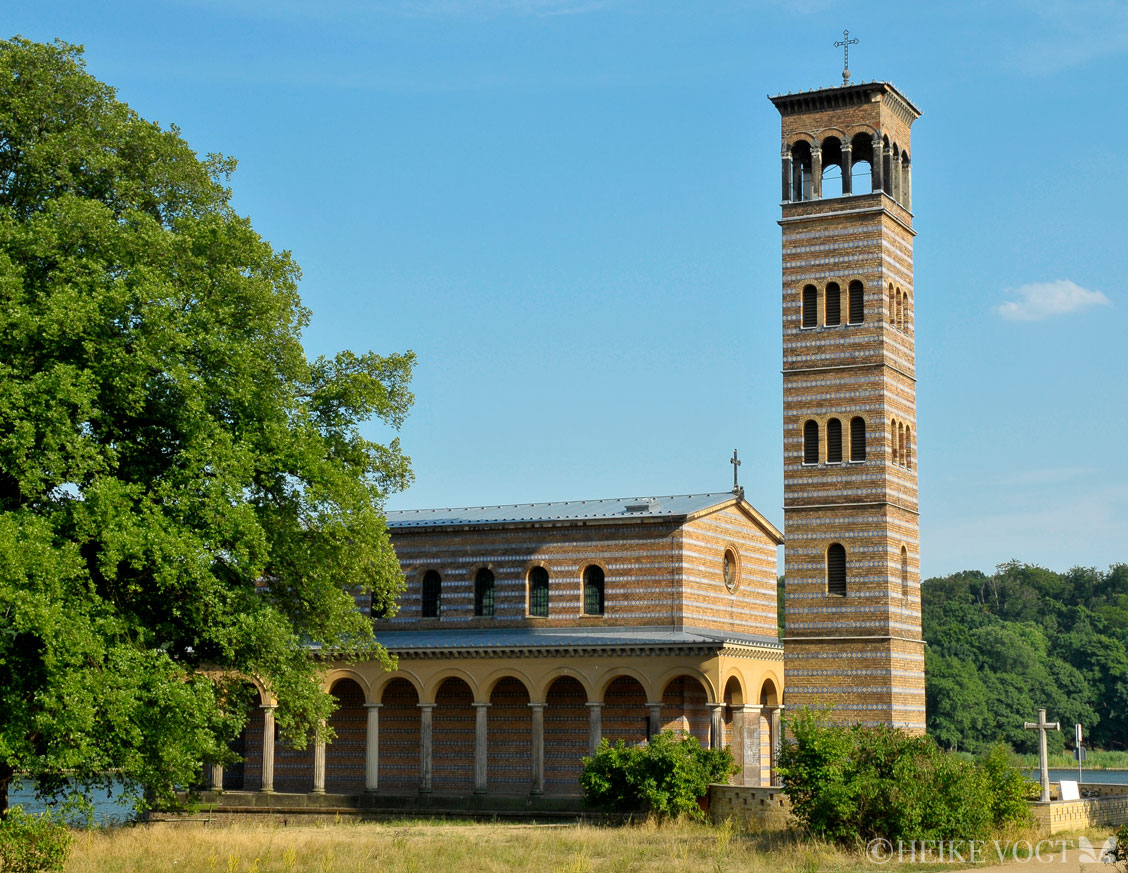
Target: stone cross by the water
[(845, 43), (735, 461), (1042, 726)]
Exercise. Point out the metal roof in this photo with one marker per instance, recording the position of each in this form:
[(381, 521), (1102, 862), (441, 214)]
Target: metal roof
[(418, 641), (617, 509)]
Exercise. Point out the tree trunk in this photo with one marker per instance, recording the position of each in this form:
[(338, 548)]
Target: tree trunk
[(6, 773)]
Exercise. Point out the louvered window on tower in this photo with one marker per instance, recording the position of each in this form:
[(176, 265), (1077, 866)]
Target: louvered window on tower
[(834, 441), (833, 304), (484, 593), (857, 438), (811, 442), (836, 570), (810, 306), (432, 594), (857, 303)]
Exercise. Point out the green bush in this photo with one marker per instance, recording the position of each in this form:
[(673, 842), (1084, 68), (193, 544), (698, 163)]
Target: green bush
[(666, 775), (32, 843), (853, 783)]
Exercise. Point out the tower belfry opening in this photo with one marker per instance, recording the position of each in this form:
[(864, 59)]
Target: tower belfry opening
[(853, 632)]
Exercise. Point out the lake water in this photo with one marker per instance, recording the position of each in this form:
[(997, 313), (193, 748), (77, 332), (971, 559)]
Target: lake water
[(107, 810), (1117, 777)]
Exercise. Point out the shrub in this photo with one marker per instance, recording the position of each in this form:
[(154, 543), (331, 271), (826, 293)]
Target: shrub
[(665, 775), (32, 843), (853, 783)]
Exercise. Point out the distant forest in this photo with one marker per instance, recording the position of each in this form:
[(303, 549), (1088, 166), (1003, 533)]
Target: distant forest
[(1000, 647)]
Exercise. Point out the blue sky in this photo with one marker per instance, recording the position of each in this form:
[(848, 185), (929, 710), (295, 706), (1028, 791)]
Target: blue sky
[(567, 209)]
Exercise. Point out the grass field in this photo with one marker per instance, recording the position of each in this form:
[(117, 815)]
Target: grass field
[(449, 847)]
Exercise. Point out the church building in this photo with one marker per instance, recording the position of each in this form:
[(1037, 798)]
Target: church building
[(529, 632)]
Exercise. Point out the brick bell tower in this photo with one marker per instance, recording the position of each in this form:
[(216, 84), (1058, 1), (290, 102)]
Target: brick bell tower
[(853, 633)]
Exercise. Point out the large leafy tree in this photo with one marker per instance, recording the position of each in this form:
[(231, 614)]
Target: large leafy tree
[(185, 497)]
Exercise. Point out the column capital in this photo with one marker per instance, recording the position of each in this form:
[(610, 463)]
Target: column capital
[(537, 705), (478, 705), (426, 706), (716, 707), (595, 704), (749, 707), (373, 705), (268, 707), (654, 703), (847, 145)]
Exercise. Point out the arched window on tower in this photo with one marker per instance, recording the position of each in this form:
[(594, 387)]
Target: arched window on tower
[(834, 441), (432, 594), (857, 438), (833, 304), (861, 170), (836, 570), (831, 167), (908, 312), (893, 441), (904, 572), (810, 306), (901, 441), (892, 305), (484, 593), (593, 590), (909, 447), (900, 310), (857, 312), (538, 592), (801, 171), (811, 442)]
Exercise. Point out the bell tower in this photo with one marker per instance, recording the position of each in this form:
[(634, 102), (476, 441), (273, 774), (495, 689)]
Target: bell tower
[(853, 634)]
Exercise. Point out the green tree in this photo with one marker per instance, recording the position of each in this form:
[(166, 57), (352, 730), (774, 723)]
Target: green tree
[(181, 488)]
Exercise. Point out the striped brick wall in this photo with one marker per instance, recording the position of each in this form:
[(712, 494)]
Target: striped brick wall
[(860, 656)]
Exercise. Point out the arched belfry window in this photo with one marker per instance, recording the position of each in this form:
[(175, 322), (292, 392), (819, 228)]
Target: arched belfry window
[(484, 593), (857, 303), (801, 178), (833, 304), (810, 306), (909, 447), (836, 570), (892, 305), (893, 441), (901, 442), (831, 168), (593, 590), (432, 594), (834, 441), (538, 592), (811, 442), (857, 438), (904, 572), (861, 164)]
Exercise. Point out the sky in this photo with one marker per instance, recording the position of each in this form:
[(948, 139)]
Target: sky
[(567, 209)]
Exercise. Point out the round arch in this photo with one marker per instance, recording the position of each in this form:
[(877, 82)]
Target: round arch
[(734, 689), (377, 693), (433, 683), (674, 672), (619, 673), (341, 673), (488, 684), (542, 688), (769, 691)]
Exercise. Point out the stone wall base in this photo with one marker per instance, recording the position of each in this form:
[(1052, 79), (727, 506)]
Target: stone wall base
[(756, 809)]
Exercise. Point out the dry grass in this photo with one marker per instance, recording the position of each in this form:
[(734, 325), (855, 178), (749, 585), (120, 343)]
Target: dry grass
[(447, 847)]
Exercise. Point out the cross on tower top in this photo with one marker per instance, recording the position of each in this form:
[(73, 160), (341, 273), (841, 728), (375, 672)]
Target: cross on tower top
[(845, 44), (735, 461)]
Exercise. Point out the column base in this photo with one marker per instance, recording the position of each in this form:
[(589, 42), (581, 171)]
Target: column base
[(318, 791)]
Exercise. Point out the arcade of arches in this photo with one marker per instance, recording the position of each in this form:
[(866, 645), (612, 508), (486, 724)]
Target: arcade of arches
[(473, 727)]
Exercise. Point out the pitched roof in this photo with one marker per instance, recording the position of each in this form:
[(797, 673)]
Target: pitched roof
[(616, 509)]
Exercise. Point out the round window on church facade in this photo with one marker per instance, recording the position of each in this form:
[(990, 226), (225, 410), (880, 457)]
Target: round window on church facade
[(731, 569)]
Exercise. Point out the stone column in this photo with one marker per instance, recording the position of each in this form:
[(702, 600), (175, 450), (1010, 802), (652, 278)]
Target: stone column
[(538, 747), (654, 723), (716, 725), (268, 747), (907, 191), (481, 747), (318, 767), (216, 777), (777, 738), (847, 169), (595, 726), (887, 169), (751, 743), (796, 180), (372, 749), (738, 749), (876, 181), (425, 710), (895, 172), (786, 174), (816, 173)]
